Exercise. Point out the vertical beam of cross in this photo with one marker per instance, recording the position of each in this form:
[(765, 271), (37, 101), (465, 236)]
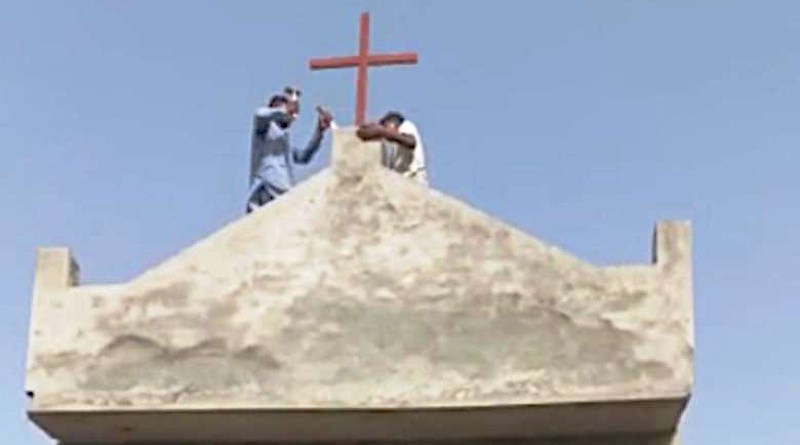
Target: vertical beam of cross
[(362, 62), (361, 76)]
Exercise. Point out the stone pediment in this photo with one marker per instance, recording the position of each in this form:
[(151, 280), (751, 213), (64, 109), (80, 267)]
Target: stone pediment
[(363, 292)]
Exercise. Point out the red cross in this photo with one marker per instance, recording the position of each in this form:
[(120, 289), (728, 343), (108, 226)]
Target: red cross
[(363, 60)]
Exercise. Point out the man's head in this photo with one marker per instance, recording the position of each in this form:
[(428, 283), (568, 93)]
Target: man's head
[(289, 101), (276, 101), (392, 119)]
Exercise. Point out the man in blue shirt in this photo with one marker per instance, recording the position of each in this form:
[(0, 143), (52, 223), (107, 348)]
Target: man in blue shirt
[(271, 152)]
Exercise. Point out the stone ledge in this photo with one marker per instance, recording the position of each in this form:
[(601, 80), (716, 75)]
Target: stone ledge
[(631, 422)]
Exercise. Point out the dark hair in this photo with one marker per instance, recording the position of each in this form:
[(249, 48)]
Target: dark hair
[(278, 99), (392, 116)]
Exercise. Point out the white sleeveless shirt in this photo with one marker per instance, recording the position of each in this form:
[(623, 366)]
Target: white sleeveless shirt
[(416, 169)]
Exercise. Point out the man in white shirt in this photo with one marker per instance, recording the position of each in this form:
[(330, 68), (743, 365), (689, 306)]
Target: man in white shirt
[(402, 149)]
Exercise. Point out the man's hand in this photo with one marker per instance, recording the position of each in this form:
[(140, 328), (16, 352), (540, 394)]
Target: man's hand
[(324, 119), (292, 108), (323, 123)]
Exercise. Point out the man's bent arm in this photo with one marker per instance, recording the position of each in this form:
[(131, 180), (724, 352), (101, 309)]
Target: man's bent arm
[(372, 132), (406, 140), (304, 156), (369, 132)]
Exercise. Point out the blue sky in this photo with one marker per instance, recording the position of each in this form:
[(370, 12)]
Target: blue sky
[(124, 132)]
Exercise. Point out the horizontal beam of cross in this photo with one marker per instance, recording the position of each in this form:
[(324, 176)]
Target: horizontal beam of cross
[(372, 60)]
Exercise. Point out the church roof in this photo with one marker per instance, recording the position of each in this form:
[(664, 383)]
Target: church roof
[(362, 292)]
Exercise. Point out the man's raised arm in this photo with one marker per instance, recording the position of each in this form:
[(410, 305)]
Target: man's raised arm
[(304, 156)]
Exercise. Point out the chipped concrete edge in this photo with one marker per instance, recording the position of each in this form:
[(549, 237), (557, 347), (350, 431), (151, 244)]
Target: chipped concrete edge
[(677, 397)]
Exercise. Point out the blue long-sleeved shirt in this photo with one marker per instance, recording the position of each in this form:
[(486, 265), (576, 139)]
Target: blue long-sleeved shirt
[(271, 148)]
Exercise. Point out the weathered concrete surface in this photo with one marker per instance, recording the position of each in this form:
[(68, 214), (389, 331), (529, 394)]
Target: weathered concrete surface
[(361, 290)]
